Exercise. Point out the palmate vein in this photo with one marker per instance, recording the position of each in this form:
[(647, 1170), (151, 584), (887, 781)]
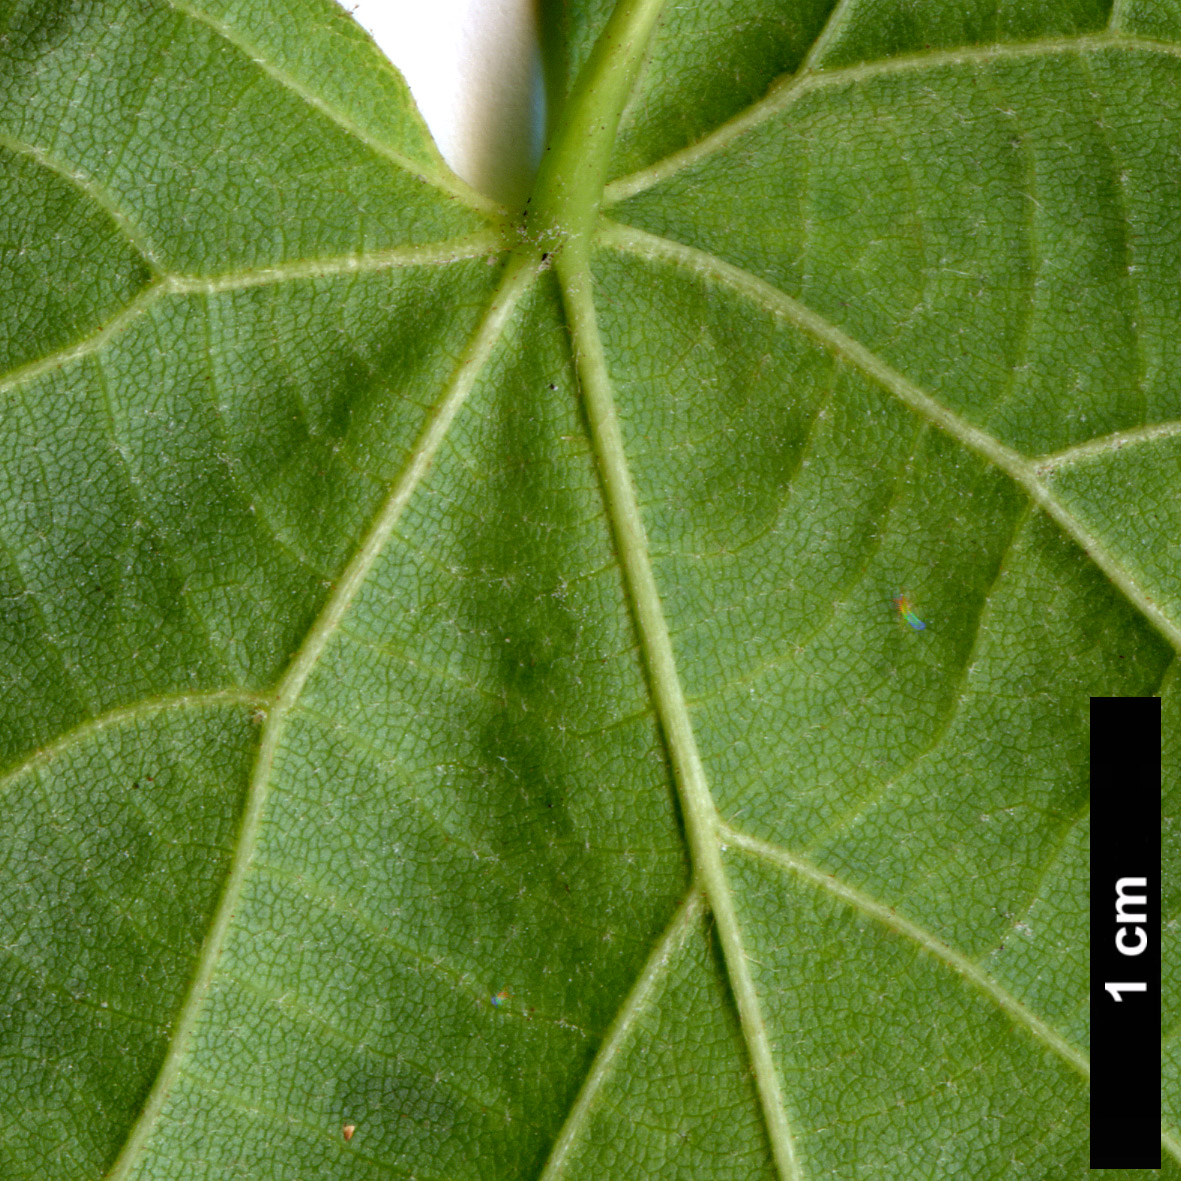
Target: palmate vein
[(483, 243), (442, 177), (1023, 471), (704, 828), (792, 89), (518, 275)]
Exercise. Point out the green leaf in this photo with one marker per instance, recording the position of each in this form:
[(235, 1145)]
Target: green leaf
[(450, 680)]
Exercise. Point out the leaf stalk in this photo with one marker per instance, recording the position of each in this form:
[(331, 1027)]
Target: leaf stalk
[(573, 170)]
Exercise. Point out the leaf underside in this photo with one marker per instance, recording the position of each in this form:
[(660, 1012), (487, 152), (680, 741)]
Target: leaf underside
[(455, 690)]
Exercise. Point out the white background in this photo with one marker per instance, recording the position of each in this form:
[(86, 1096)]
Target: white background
[(475, 71)]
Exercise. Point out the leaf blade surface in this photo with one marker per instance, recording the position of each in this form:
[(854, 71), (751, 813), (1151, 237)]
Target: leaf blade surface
[(599, 787)]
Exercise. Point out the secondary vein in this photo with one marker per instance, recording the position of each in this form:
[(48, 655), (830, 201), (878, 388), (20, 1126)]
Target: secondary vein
[(641, 994), (94, 192), (88, 344), (1107, 444), (833, 27), (967, 968), (127, 715)]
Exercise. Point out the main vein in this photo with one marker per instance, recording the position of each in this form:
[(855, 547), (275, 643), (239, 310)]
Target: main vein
[(518, 275), (566, 200), (698, 813)]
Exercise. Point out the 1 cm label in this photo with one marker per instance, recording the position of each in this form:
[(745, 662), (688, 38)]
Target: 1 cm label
[(1130, 937)]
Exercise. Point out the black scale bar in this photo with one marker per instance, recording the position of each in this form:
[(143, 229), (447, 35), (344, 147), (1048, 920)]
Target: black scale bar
[(1125, 933)]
